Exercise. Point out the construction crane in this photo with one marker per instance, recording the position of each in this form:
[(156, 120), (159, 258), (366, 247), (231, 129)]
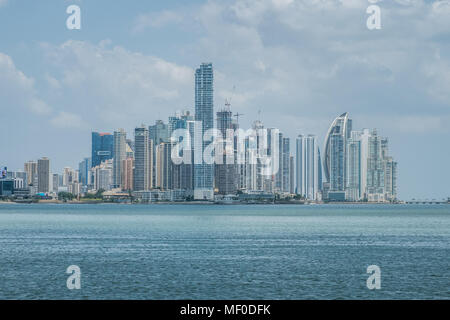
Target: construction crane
[(228, 104), (237, 115)]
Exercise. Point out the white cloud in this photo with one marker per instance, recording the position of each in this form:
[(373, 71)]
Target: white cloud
[(18, 90), (67, 120), (114, 87), (156, 20)]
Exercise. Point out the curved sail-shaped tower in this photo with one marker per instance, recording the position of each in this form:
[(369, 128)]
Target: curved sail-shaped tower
[(340, 129)]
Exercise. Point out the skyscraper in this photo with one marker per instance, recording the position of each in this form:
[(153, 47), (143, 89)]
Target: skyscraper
[(291, 175), (204, 113), (353, 181), (164, 166), (183, 174), (102, 147), (119, 155), (299, 164), (225, 173), (308, 167), (159, 132), (273, 149), (43, 169), (376, 167), (30, 168), (390, 178), (102, 175), (279, 174), (142, 161), (84, 171), (334, 162), (127, 174), (55, 183), (286, 185)]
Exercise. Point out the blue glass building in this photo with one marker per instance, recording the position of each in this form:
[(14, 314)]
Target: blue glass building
[(102, 147)]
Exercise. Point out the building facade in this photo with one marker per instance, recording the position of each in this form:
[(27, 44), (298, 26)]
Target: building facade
[(102, 147), (43, 168), (119, 155), (204, 113)]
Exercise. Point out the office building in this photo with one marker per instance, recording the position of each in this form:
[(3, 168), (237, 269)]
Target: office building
[(102, 147)]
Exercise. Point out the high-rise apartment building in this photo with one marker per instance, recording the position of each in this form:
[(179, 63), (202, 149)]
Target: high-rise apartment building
[(390, 178), (183, 174), (334, 162), (43, 175), (225, 172), (308, 167), (30, 168), (103, 175), (84, 169), (375, 168), (204, 113), (353, 181), (127, 174), (142, 159), (164, 166), (291, 175), (119, 155), (286, 185), (55, 184)]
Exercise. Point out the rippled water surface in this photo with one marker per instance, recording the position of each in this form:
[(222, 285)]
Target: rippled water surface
[(224, 252)]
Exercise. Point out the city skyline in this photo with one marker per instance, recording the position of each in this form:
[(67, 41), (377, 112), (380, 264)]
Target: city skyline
[(357, 164), (51, 76), (300, 171)]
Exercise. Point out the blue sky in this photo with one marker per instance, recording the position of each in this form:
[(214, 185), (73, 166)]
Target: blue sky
[(300, 62)]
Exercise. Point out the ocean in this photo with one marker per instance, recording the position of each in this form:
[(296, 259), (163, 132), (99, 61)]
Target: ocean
[(224, 252)]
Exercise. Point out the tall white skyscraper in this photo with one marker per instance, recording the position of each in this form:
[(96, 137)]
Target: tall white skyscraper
[(308, 167), (353, 189)]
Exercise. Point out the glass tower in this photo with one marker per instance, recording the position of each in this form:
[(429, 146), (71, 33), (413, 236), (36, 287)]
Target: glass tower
[(142, 163), (102, 147), (204, 114)]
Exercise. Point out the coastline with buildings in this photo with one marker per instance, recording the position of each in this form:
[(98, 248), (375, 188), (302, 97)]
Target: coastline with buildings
[(254, 166)]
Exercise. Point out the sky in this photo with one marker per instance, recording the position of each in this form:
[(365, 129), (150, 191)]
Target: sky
[(294, 64)]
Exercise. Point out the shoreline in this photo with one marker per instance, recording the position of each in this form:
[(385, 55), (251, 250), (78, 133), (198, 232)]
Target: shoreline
[(57, 202)]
